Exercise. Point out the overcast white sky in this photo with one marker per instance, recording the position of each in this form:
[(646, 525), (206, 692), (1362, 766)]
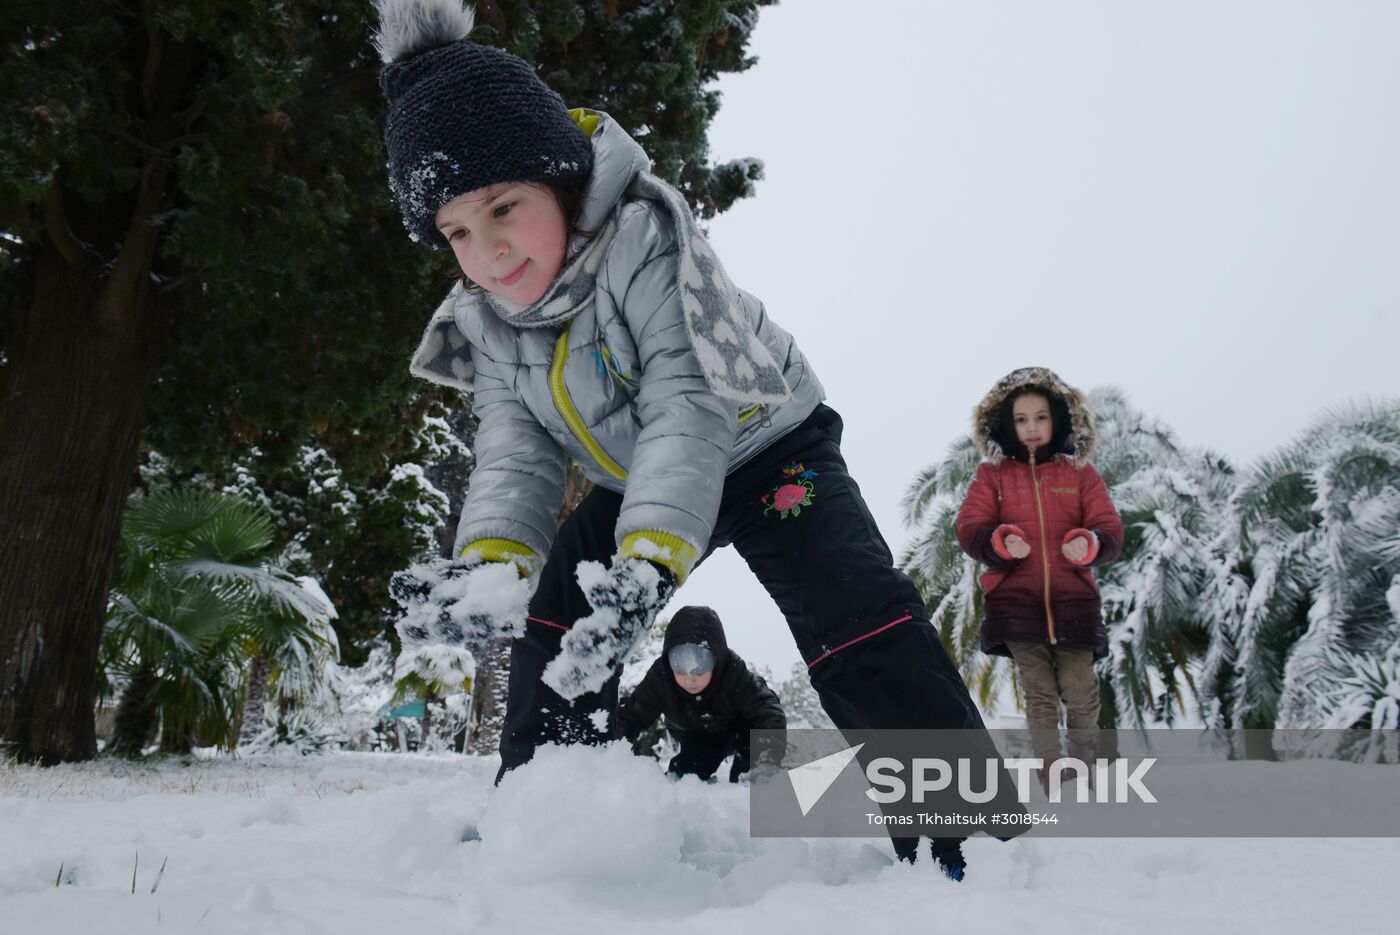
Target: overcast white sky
[(1198, 202)]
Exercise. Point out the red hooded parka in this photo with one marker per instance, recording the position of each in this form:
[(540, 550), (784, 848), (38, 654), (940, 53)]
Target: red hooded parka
[(1050, 496)]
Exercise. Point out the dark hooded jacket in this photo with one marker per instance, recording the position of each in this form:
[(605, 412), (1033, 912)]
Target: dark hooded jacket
[(734, 696), (1050, 496)]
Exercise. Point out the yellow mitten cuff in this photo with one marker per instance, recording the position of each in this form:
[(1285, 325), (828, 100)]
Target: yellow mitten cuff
[(663, 548)]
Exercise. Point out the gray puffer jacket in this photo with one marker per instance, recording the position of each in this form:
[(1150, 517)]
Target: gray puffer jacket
[(618, 389)]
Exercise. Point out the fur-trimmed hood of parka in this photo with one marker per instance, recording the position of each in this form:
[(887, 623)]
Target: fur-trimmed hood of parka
[(997, 440)]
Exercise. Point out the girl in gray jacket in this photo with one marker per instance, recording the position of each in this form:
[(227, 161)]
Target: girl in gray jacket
[(597, 326)]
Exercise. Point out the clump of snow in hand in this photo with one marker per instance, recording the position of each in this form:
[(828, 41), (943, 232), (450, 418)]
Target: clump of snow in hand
[(494, 590), (618, 809), (458, 603), (623, 600)]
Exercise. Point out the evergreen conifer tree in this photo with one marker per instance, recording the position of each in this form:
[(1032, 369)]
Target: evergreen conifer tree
[(198, 249)]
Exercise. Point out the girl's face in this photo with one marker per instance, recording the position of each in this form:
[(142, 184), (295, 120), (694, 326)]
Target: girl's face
[(1031, 415), (509, 238)]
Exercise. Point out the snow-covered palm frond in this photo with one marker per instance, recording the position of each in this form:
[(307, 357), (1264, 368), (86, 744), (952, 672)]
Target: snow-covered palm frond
[(1275, 618), (183, 523), (304, 656), (192, 592), (280, 591), (1315, 527), (1129, 441), (1172, 499), (1392, 600), (1257, 593), (957, 617), (173, 619), (134, 626), (1224, 597), (943, 482), (1354, 502), (1151, 598), (1367, 697), (170, 516), (945, 576)]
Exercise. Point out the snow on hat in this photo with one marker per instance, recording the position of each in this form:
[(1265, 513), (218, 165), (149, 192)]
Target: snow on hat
[(690, 659), (463, 115)]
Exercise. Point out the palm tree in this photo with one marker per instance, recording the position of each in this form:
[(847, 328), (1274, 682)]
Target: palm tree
[(1171, 499), (1308, 581), (297, 656), (944, 575), (436, 673), (194, 600)]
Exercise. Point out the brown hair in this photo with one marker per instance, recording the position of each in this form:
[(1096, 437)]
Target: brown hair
[(1004, 434)]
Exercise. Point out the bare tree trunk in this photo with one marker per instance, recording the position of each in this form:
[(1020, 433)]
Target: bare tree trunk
[(489, 699), (73, 402), (427, 724), (136, 715), (489, 688), (255, 701)]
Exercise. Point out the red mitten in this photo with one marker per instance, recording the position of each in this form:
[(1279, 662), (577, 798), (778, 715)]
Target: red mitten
[(999, 540), (1089, 537)]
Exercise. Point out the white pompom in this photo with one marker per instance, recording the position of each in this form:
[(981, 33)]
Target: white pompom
[(407, 27)]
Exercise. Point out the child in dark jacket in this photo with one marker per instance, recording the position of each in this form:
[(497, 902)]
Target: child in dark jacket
[(1039, 516), (708, 696)]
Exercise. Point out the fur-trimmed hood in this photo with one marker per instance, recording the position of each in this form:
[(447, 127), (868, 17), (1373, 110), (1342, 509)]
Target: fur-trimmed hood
[(989, 428)]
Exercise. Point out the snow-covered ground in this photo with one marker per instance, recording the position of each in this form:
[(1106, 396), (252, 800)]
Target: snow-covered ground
[(592, 841)]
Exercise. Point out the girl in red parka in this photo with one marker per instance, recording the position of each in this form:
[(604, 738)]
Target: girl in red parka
[(1039, 516)]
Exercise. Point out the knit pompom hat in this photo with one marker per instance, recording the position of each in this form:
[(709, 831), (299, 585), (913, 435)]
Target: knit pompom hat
[(462, 115)]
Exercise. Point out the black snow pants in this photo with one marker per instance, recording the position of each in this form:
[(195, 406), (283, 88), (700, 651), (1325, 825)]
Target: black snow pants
[(700, 753), (799, 521)]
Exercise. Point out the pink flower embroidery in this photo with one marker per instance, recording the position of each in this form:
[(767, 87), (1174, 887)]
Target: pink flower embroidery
[(788, 496)]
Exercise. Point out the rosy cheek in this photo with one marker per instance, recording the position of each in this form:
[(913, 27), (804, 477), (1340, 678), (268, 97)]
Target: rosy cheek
[(464, 259)]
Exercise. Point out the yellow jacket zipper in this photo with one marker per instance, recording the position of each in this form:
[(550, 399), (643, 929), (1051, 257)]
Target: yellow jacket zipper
[(565, 405), (1044, 550)]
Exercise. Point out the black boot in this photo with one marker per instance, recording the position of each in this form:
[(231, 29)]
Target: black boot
[(948, 853), (906, 849)]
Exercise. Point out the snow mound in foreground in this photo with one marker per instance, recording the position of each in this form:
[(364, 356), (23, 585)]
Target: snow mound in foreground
[(603, 825), (586, 841), (617, 809)]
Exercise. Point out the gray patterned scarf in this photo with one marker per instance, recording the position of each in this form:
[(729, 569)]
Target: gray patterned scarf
[(735, 362), (573, 289)]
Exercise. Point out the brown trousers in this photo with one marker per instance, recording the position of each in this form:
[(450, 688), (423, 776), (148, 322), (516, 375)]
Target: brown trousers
[(1049, 675)]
